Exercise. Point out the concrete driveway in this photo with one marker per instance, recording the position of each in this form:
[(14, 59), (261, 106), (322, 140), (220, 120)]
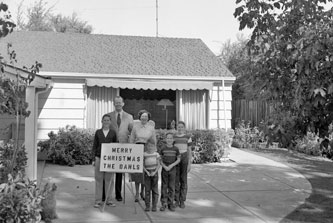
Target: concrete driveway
[(247, 188)]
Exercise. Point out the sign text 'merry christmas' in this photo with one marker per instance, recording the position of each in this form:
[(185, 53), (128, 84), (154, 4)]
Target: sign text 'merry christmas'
[(126, 158)]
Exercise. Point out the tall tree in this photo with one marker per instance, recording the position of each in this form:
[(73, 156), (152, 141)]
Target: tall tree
[(70, 24), (292, 43), (40, 17), (235, 56), (19, 16)]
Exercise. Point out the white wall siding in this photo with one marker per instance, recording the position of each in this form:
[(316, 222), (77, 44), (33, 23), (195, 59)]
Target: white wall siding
[(220, 108), (62, 105)]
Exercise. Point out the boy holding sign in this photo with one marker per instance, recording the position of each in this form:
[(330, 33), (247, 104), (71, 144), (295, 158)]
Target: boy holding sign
[(103, 135)]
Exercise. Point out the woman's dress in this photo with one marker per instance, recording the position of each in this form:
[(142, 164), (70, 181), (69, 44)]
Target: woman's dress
[(142, 134)]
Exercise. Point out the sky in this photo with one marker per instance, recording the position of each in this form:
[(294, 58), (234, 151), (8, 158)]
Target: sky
[(209, 20)]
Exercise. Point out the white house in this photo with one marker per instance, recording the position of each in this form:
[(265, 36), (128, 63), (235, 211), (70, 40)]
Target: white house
[(88, 71)]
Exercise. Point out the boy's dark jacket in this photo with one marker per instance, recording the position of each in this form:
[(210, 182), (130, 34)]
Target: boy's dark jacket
[(100, 138)]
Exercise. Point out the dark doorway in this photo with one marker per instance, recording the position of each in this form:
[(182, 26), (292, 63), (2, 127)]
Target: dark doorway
[(136, 100)]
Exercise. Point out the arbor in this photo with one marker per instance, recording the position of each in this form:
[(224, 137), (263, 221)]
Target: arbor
[(12, 94), (292, 48)]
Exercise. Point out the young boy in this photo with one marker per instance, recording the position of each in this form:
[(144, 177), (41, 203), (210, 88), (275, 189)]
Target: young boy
[(103, 135), (170, 157), (183, 142), (151, 165)]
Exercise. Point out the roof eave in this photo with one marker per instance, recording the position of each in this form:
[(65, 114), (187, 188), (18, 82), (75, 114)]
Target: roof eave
[(133, 76)]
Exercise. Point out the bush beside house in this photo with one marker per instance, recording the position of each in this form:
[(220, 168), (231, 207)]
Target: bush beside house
[(72, 146), (69, 146), (20, 198)]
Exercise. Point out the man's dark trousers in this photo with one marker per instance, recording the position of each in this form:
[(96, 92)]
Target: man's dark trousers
[(119, 178)]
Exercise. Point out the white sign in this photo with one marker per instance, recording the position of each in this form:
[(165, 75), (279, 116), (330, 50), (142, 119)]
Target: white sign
[(122, 158)]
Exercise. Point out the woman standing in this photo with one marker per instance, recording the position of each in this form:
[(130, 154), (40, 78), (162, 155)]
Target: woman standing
[(142, 133), (182, 141)]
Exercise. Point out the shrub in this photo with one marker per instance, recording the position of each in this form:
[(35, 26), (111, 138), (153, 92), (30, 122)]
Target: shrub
[(312, 144), (6, 154), (206, 148), (69, 146), (207, 145), (20, 200), (160, 137), (247, 136)]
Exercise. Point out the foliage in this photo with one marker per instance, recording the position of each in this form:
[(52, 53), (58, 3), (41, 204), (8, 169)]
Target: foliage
[(69, 146), (11, 96), (312, 144), (6, 25), (38, 17), (309, 144), (207, 145), (235, 56), (247, 136), (291, 46), (6, 154), (70, 24), (41, 18), (20, 200), (160, 138)]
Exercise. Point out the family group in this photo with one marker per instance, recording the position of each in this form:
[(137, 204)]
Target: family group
[(174, 157)]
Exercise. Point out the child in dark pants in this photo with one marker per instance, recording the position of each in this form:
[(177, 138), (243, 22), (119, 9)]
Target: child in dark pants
[(103, 135), (170, 157), (151, 161)]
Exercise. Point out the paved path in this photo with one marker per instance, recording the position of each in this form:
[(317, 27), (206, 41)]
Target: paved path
[(249, 188)]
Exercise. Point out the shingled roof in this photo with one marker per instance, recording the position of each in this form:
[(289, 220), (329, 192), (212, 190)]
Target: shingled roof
[(110, 54)]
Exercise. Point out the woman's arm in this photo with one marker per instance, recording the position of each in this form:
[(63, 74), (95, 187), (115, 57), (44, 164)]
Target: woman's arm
[(154, 141), (132, 136)]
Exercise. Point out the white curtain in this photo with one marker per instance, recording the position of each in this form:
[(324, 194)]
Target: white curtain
[(192, 108), (100, 102)]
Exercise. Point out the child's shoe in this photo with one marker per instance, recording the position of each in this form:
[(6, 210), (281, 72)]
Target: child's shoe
[(110, 203), (154, 209), (163, 207), (182, 204), (97, 204), (171, 208), (147, 209)]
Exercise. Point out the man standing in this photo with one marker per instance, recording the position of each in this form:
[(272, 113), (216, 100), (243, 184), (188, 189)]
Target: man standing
[(122, 122)]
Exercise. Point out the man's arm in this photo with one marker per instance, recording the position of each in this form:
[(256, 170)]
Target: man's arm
[(132, 136), (130, 124)]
